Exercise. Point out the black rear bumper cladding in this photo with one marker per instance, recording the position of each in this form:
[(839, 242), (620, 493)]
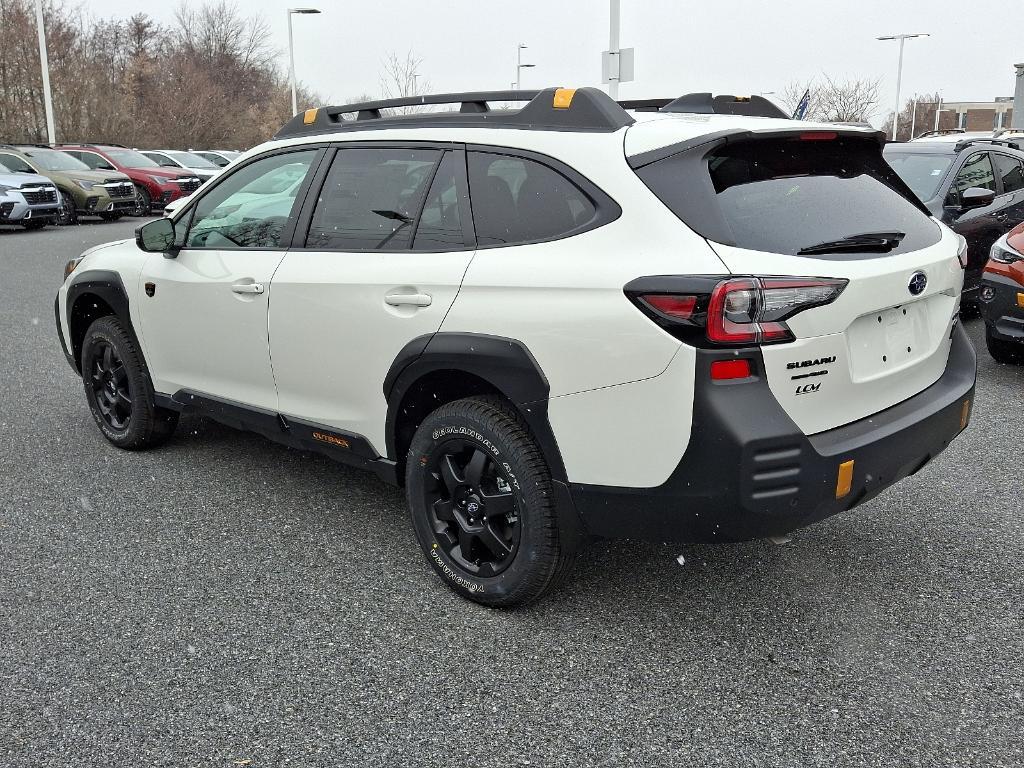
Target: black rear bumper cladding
[(1003, 316), (749, 472)]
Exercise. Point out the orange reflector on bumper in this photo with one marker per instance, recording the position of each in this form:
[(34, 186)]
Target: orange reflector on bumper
[(844, 481), (965, 414), (563, 98), (309, 117), (1020, 300)]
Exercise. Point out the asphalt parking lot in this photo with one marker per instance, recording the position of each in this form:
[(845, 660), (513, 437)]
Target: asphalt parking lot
[(227, 602)]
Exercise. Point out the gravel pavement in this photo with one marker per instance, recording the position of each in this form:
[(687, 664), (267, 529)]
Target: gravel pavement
[(224, 601)]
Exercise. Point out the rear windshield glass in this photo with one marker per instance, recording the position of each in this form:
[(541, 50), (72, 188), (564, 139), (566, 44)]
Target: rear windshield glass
[(788, 195), (922, 172)]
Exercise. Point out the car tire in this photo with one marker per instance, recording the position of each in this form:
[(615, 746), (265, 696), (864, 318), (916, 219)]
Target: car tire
[(144, 206), (34, 223), (118, 388), (1008, 352), (67, 214), (481, 499)]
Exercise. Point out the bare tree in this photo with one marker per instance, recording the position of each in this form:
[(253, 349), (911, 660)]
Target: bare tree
[(914, 121), (401, 78), (834, 101)]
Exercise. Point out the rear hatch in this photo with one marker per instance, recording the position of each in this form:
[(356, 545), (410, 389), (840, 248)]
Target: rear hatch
[(824, 204)]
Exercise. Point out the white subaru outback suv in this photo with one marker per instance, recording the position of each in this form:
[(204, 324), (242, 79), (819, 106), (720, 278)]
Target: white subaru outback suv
[(689, 320)]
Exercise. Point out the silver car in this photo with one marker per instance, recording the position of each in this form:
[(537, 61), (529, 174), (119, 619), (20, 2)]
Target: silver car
[(27, 199)]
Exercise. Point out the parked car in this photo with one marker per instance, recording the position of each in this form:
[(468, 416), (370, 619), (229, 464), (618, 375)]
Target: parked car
[(219, 157), (975, 186), (83, 191), (27, 199), (154, 186), (1002, 298), (186, 161), (559, 322)]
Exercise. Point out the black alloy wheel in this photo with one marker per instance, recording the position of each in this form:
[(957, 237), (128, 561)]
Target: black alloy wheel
[(111, 387), (472, 508), (67, 214), (143, 201)]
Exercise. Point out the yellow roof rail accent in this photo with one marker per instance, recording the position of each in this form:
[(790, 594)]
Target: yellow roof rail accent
[(309, 117), (563, 98)]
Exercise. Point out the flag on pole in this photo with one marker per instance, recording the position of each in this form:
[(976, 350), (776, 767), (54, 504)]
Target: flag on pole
[(801, 108)]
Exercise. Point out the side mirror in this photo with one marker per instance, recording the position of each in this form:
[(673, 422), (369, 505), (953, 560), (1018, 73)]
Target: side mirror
[(976, 197), (157, 236)]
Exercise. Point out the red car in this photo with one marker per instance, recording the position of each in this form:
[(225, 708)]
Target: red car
[(156, 186), (1002, 298)]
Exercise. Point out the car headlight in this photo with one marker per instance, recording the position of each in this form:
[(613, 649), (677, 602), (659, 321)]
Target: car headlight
[(71, 266), (1004, 255), (86, 185)]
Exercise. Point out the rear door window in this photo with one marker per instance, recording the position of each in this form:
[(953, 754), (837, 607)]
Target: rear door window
[(371, 198), (786, 195), (440, 224), (1011, 172), (517, 200)]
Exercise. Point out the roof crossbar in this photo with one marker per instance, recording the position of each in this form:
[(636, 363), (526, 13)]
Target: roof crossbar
[(583, 109), (998, 142)]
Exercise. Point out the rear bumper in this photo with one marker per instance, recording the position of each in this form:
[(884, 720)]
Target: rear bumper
[(749, 472), (1003, 313)]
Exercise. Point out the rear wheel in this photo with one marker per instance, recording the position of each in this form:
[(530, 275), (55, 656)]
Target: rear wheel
[(481, 499), (118, 389), (1011, 353)]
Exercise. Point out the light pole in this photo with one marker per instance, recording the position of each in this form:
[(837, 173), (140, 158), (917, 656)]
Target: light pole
[(291, 51), (519, 64), (44, 63), (899, 72), (613, 45)]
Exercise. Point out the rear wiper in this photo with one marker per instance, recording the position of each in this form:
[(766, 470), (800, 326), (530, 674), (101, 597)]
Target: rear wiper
[(869, 242)]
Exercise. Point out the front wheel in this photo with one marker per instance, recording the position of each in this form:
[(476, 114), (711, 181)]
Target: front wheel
[(143, 202), (67, 214), (481, 499), (1002, 351), (118, 389)]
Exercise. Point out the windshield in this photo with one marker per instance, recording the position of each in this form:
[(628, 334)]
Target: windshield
[(5, 169), (52, 160), (922, 173), (131, 159), (192, 161)]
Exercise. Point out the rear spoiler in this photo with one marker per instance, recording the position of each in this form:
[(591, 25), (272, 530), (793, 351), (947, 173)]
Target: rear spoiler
[(732, 135)]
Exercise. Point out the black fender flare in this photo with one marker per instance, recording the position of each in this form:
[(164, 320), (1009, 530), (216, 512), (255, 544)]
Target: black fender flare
[(506, 365), (108, 286)]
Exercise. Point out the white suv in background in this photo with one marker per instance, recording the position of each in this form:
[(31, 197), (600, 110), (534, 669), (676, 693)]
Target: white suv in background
[(688, 320)]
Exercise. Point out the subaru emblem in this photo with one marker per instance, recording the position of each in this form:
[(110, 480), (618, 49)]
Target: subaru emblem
[(472, 507), (918, 282)]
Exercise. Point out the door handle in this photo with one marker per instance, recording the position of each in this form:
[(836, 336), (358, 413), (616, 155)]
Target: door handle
[(247, 287), (408, 299)]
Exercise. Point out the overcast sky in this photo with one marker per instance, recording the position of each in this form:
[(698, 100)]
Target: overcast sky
[(737, 46)]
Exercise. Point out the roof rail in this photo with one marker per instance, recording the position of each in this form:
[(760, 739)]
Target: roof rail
[(708, 104), (999, 142), (91, 144), (940, 132), (553, 109)]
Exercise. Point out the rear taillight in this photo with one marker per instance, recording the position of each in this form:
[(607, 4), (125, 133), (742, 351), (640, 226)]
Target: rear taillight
[(732, 311)]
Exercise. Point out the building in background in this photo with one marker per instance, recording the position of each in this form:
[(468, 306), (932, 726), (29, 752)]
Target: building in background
[(977, 115)]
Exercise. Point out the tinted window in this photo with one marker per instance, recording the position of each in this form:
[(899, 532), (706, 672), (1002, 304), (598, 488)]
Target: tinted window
[(1011, 171), (976, 172), (250, 208), (440, 225), (922, 173), (370, 199), (516, 200), (785, 195), (93, 160), (16, 164)]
